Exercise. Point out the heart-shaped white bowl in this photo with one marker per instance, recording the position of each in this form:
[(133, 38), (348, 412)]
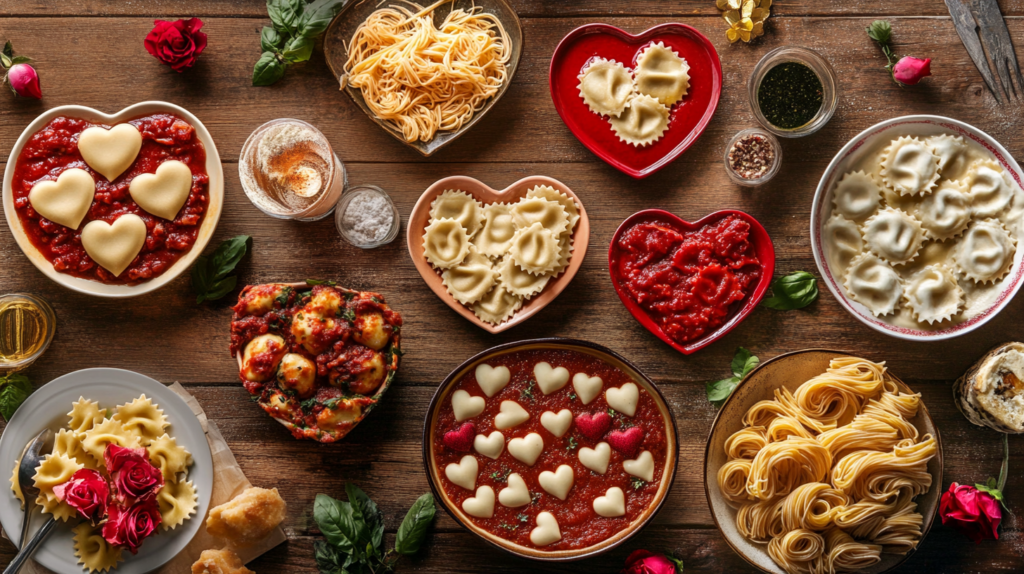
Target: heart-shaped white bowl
[(89, 287)]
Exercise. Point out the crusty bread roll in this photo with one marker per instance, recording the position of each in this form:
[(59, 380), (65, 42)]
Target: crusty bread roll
[(991, 393)]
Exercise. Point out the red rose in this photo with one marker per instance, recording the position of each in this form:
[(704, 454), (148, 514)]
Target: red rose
[(645, 562), (115, 456), (86, 492), (128, 527), (134, 477), (970, 511), (178, 43)]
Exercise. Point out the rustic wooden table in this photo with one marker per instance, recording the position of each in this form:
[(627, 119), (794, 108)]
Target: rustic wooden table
[(90, 52)]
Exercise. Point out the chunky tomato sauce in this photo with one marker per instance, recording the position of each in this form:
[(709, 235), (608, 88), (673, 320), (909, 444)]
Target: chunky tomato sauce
[(689, 282), (579, 524), (54, 149)]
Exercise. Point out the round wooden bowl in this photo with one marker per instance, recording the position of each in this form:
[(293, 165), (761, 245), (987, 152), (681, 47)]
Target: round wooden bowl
[(607, 355), (791, 370)]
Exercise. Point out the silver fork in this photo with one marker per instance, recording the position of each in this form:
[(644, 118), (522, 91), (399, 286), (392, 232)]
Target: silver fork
[(981, 27)]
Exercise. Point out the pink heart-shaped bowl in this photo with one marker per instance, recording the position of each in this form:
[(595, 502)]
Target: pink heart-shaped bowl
[(420, 218), (762, 247), (688, 118)]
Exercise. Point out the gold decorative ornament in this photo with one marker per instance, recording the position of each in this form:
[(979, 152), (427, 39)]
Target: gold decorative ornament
[(745, 18)]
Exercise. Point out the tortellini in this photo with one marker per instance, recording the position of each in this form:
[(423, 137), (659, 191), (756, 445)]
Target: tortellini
[(946, 212), (497, 305), (857, 196), (535, 249), (606, 86), (910, 167), (643, 122), (874, 284), (468, 281), (519, 282), (986, 251), (933, 294), (445, 243), (989, 188), (460, 206), (662, 74), (894, 235), (496, 234)]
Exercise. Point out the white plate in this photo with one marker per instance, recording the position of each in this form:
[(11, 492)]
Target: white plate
[(87, 286), (865, 142), (48, 407)]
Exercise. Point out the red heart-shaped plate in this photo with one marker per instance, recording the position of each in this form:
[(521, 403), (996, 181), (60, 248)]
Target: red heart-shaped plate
[(762, 246), (688, 118)]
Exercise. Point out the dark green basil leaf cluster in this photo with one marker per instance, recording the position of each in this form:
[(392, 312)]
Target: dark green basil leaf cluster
[(742, 364), (210, 275), (14, 389), (794, 291), (296, 26), (354, 533)]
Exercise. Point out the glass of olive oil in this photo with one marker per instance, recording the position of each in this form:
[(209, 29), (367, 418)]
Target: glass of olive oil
[(27, 324)]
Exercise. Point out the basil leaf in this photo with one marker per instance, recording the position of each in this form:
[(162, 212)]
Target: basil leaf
[(739, 361), (210, 275), (742, 363), (367, 512), (413, 530), (317, 17), (221, 288), (718, 391), (298, 49), (328, 559), (267, 70), (229, 253), (270, 39), (334, 518), (794, 291), (284, 14), (14, 389)]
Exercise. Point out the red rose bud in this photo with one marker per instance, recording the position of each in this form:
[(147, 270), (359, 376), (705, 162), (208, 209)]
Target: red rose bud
[(24, 81), (970, 511), (86, 492), (138, 480), (177, 44), (645, 562), (114, 457), (909, 70), (128, 527)]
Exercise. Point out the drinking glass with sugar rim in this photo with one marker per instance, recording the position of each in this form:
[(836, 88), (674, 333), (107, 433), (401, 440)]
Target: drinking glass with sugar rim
[(288, 170), (367, 218)]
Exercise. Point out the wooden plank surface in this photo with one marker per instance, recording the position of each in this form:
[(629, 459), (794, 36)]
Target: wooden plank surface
[(89, 52)]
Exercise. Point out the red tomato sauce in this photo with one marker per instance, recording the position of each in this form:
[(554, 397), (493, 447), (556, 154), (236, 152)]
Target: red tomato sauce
[(580, 526), (689, 282), (54, 149)]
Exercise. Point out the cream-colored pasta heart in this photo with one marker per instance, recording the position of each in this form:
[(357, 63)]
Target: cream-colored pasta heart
[(515, 494), (587, 387), (596, 459), (465, 406), (641, 467), (526, 449), (163, 193), (510, 415), (623, 399), (547, 531), (557, 483), (550, 379), (492, 379), (112, 151), (65, 201), (464, 473), (612, 504), (557, 424), (482, 505), (114, 247), (489, 446)]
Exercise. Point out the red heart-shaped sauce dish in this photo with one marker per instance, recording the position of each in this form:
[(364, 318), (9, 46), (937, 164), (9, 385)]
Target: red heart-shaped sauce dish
[(687, 117), (691, 283)]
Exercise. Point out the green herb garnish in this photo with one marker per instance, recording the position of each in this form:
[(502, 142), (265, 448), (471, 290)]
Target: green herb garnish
[(315, 282), (794, 291), (742, 364), (14, 389), (572, 443), (528, 391), (638, 483), (296, 25), (210, 275)]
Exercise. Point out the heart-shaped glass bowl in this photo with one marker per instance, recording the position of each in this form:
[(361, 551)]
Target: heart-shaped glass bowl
[(420, 218), (344, 25), (687, 119), (763, 247)]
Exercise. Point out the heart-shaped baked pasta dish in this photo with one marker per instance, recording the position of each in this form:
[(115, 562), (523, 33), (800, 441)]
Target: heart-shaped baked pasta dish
[(497, 257)]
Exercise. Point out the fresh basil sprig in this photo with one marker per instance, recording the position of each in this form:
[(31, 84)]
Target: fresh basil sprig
[(296, 25), (14, 389), (210, 275), (794, 291), (742, 363), (354, 533)]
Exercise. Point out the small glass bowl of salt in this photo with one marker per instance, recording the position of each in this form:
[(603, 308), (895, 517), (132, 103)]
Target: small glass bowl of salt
[(366, 217)]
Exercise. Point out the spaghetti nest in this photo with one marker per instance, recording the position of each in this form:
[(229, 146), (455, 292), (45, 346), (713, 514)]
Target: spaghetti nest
[(826, 476), (422, 78)]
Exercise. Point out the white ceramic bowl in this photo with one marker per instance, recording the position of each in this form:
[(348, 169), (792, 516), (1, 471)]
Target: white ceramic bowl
[(821, 210), (48, 407), (89, 287)]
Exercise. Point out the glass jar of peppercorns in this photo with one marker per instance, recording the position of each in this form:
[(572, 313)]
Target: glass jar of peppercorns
[(752, 157)]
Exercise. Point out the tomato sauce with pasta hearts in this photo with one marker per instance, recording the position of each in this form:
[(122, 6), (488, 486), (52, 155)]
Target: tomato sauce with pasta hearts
[(579, 524)]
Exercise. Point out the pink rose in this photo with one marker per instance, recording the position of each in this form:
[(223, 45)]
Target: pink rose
[(134, 477), (909, 70), (177, 44), (645, 562), (24, 81), (128, 527), (970, 511), (86, 492)]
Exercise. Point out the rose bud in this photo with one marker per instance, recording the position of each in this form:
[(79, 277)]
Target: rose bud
[(24, 81), (128, 527), (970, 511), (86, 492), (138, 480), (177, 44), (909, 70), (645, 562)]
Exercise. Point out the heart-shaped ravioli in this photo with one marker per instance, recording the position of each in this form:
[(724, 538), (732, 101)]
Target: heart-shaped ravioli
[(110, 152), (481, 505), (512, 414), (587, 387), (492, 379), (464, 473), (612, 504), (163, 193), (465, 406), (114, 247), (526, 449), (65, 201), (558, 483), (556, 423), (516, 494), (550, 379), (641, 467), (623, 399), (491, 445), (547, 531), (596, 459)]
